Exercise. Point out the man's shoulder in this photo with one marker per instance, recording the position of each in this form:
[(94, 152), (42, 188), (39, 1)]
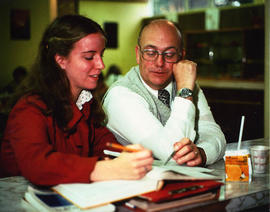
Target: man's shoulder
[(119, 91), (127, 84), (121, 95), (130, 77)]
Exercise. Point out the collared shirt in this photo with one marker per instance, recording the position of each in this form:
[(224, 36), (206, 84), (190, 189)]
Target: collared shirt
[(155, 92)]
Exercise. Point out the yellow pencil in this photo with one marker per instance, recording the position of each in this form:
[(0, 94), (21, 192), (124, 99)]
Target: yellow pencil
[(120, 147)]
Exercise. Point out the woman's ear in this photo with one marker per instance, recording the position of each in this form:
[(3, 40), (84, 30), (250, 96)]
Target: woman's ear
[(60, 60)]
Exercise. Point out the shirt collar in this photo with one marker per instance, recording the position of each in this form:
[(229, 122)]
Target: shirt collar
[(85, 96), (78, 110), (155, 92)]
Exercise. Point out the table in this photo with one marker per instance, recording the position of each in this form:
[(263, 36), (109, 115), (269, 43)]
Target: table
[(240, 196), (234, 196)]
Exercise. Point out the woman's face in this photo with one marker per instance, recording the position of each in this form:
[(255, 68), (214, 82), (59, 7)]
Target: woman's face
[(84, 63)]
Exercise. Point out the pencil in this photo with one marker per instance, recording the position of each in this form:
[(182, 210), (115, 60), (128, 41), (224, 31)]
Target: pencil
[(169, 158), (120, 147)]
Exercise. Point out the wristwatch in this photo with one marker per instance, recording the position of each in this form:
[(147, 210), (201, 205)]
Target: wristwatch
[(185, 92)]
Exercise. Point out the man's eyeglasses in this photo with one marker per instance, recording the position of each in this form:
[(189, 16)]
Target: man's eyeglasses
[(170, 56)]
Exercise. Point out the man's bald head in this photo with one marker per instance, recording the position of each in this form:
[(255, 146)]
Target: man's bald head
[(158, 24)]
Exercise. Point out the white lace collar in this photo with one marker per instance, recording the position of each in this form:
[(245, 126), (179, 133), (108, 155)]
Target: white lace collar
[(85, 96)]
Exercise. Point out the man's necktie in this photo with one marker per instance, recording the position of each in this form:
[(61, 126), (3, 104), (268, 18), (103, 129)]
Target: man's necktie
[(164, 96)]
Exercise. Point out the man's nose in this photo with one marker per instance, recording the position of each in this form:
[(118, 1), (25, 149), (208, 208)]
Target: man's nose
[(160, 60)]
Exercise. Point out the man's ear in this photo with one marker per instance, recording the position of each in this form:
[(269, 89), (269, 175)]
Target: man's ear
[(183, 54), (137, 49), (60, 60)]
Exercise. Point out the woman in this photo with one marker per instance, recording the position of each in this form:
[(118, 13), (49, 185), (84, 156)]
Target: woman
[(54, 133)]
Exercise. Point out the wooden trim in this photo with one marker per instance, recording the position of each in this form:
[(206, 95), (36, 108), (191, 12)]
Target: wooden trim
[(231, 84), (127, 1)]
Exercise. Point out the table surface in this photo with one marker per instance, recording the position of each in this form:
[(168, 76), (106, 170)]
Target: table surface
[(237, 195), (245, 195)]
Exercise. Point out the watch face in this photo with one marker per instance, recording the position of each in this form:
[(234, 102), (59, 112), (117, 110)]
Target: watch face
[(185, 92)]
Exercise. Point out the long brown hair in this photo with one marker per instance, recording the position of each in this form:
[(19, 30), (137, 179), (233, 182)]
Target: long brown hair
[(47, 80)]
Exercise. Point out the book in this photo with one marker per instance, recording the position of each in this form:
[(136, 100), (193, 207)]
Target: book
[(184, 203), (90, 195), (175, 190), (46, 200), (99, 193)]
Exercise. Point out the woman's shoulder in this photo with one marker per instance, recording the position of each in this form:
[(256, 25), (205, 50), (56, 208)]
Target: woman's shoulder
[(30, 101), (26, 110)]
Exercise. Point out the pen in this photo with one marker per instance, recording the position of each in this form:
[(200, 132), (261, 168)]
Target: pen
[(120, 147), (169, 158)]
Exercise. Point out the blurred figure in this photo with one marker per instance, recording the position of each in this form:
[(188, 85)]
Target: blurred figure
[(113, 74), (101, 88), (18, 75)]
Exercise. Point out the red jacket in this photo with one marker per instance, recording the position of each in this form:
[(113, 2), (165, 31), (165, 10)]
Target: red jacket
[(33, 146)]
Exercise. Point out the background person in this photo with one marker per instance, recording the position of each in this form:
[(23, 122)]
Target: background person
[(184, 122), (54, 133), (101, 88), (19, 74), (113, 74)]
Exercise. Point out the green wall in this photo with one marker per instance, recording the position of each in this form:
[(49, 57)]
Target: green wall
[(128, 16), (20, 52)]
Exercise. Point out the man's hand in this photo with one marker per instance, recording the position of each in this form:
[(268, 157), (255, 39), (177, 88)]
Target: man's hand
[(189, 153), (185, 73)]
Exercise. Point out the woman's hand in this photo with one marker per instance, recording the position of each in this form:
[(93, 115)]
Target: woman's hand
[(189, 153), (128, 166)]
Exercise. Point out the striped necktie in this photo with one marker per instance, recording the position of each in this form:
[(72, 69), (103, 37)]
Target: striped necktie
[(164, 96)]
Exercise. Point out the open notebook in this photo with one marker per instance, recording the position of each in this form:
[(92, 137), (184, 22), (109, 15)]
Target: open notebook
[(104, 192)]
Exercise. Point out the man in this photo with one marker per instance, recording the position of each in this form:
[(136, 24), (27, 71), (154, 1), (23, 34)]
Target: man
[(184, 123)]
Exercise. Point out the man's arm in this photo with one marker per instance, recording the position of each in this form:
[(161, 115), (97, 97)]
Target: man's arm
[(211, 142), (129, 116), (211, 138)]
